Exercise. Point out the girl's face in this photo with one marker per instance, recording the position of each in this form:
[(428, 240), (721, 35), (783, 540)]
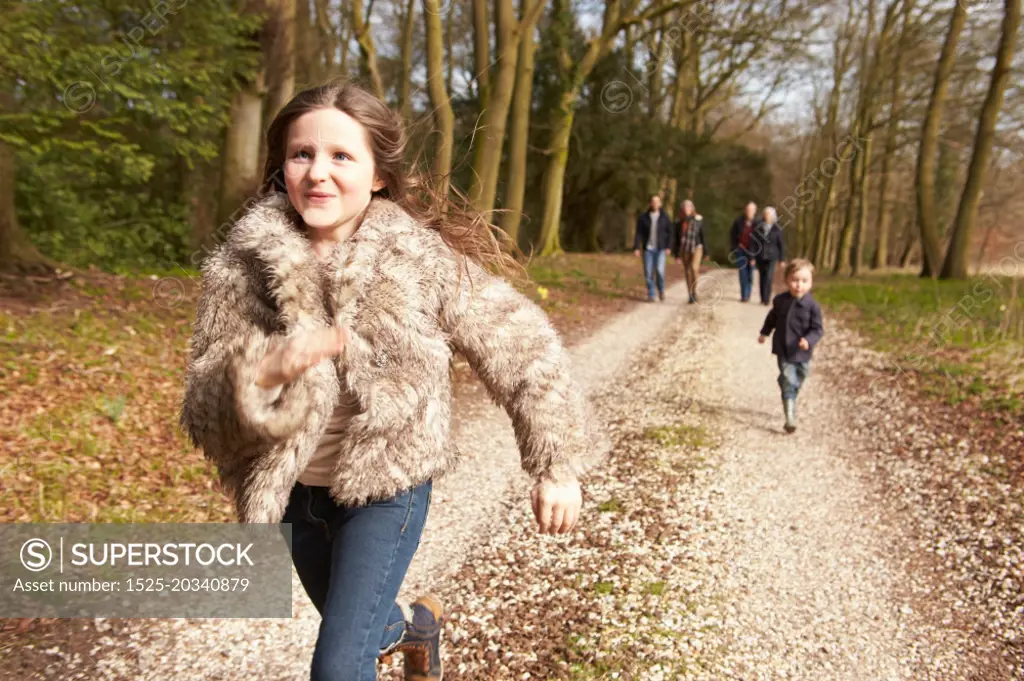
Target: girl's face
[(329, 169)]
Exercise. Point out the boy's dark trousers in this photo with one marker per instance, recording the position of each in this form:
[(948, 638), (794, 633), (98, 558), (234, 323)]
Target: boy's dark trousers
[(791, 377)]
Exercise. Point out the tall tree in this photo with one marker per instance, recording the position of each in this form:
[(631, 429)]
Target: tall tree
[(955, 266), (825, 196), (240, 168), (307, 46), (16, 251), (440, 103), (367, 48), (481, 52), (618, 15), (240, 171), (930, 244), (519, 130), (329, 39), (405, 88), (851, 239), (281, 56), (881, 256), (491, 136)]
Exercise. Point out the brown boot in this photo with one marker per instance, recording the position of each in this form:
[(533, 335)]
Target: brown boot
[(421, 645)]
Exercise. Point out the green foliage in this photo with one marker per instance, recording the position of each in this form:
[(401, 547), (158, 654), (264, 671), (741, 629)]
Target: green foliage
[(679, 435), (113, 106), (618, 152), (961, 340)]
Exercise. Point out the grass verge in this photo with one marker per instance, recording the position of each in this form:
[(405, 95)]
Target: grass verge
[(958, 341), (92, 376)]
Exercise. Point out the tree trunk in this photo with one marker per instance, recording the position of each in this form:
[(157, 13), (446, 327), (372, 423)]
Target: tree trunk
[(840, 52), (563, 116), (491, 137), (841, 264), (806, 149), (364, 36), (490, 134), (307, 51), (881, 257), (344, 36), (17, 253), (281, 56), (592, 242), (955, 266), (519, 133), (482, 52), (671, 204), (554, 178), (930, 243), (861, 125), (240, 170), (449, 44), (405, 88), (860, 236), (694, 107), (328, 39), (908, 251), (656, 76), (440, 104), (679, 100)]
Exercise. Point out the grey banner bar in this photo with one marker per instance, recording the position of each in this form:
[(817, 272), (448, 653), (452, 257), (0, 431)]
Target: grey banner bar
[(145, 570)]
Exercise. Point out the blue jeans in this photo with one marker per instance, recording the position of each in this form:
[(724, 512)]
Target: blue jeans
[(654, 266), (745, 263), (352, 562), (791, 377)]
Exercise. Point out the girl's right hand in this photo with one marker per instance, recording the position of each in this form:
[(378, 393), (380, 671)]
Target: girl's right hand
[(300, 353)]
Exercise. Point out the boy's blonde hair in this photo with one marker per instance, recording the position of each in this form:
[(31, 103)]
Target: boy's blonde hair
[(797, 264)]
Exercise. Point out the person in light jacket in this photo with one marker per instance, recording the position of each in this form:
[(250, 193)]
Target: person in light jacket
[(318, 378), (689, 245)]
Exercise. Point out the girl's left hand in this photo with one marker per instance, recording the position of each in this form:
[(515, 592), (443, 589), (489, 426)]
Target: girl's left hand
[(804, 345), (556, 506)]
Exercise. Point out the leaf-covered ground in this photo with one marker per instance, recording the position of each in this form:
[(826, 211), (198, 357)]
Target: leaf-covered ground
[(91, 379)]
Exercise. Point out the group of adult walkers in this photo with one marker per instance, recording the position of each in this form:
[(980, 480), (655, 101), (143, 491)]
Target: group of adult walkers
[(795, 320), (756, 243)]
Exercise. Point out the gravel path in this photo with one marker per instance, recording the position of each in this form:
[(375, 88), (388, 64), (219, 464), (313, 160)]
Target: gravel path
[(465, 507), (714, 545), (815, 583)]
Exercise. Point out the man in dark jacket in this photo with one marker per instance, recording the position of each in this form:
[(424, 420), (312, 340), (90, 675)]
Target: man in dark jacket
[(768, 248), (796, 319), (653, 240), (740, 236)]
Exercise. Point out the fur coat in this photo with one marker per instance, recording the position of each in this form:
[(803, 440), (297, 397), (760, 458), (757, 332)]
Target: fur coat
[(408, 301)]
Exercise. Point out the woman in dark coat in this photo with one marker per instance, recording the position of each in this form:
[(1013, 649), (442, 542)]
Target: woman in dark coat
[(768, 249)]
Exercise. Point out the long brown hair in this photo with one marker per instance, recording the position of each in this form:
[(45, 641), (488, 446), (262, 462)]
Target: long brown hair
[(463, 229)]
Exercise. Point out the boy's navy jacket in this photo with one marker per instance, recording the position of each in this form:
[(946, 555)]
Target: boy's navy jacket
[(794, 319)]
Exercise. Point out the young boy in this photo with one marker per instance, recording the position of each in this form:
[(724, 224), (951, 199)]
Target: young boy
[(798, 317)]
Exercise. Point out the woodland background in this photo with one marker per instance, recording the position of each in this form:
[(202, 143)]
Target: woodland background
[(887, 132)]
